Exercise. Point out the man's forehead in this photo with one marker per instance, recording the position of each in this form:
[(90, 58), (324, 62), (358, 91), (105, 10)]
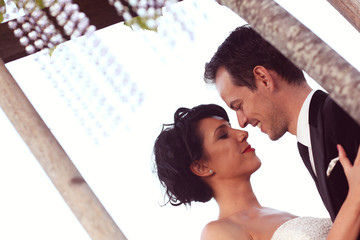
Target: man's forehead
[(223, 82), (228, 90), (222, 73)]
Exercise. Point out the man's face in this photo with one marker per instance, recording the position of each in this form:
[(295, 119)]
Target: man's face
[(252, 107)]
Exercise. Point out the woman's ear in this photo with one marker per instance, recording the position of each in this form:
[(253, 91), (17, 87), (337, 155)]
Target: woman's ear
[(200, 168), (263, 78)]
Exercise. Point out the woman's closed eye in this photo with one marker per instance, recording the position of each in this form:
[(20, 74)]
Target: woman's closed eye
[(222, 131), (223, 135)]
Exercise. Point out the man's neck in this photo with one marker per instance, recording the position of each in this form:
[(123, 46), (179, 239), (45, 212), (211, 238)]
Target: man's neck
[(295, 96)]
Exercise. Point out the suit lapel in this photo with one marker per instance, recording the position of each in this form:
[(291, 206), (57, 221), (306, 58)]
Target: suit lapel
[(318, 145), (304, 153)]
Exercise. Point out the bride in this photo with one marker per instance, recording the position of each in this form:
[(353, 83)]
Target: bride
[(200, 157)]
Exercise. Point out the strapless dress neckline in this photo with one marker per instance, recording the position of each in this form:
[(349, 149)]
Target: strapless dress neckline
[(303, 228)]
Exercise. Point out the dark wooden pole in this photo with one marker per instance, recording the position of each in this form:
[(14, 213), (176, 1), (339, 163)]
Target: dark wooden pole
[(100, 13)]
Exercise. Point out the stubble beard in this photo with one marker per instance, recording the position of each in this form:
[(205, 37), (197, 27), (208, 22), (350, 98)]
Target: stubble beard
[(278, 126)]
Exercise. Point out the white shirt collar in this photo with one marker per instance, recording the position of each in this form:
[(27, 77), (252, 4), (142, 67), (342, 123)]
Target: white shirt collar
[(303, 130)]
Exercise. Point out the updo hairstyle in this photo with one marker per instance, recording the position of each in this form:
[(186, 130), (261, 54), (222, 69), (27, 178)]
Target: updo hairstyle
[(178, 145)]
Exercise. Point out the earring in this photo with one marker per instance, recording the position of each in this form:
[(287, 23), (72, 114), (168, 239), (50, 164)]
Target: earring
[(211, 171)]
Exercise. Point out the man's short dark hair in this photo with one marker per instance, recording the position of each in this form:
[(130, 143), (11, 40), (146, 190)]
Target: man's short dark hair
[(245, 49)]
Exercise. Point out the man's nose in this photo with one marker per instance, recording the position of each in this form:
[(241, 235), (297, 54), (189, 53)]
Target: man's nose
[(242, 119)]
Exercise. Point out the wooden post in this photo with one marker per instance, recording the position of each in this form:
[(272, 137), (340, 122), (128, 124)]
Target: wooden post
[(350, 9), (58, 166), (304, 49)]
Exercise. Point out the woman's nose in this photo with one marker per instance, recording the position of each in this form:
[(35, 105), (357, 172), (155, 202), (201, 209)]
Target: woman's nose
[(241, 135)]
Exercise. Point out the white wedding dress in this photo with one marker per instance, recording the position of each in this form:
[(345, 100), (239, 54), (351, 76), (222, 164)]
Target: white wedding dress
[(303, 228)]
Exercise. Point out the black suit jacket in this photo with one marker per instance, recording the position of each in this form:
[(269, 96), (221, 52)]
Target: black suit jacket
[(329, 126)]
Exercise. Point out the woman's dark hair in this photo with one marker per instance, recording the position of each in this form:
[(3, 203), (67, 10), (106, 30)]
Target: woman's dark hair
[(178, 145), (244, 49)]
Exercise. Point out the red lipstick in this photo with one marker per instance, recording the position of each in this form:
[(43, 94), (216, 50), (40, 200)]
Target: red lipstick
[(248, 149)]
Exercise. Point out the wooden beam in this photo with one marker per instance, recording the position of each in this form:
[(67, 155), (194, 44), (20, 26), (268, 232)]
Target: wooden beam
[(304, 49), (350, 9), (10, 47), (54, 160), (100, 13)]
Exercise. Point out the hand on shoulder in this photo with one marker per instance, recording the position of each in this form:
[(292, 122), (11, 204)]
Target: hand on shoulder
[(352, 172), (347, 222)]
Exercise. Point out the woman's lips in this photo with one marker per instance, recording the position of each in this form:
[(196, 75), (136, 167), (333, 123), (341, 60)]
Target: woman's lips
[(249, 149)]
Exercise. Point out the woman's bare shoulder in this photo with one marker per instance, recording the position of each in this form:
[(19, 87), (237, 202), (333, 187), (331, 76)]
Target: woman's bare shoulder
[(224, 229)]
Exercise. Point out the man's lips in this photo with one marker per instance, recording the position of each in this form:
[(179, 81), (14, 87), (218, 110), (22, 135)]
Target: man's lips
[(248, 149)]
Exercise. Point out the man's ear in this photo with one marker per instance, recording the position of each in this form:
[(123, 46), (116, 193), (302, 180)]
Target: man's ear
[(263, 78), (200, 168)]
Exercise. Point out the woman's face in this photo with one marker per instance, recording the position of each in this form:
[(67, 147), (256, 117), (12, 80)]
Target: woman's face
[(226, 150)]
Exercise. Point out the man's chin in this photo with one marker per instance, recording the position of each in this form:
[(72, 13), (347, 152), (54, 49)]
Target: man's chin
[(275, 137)]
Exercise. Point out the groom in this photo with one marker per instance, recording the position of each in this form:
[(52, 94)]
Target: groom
[(266, 90)]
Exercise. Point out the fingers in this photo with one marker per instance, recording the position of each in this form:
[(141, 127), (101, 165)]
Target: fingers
[(357, 159), (341, 150), (345, 162)]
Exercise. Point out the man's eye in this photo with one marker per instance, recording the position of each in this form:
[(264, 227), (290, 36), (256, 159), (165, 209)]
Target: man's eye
[(239, 107)]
